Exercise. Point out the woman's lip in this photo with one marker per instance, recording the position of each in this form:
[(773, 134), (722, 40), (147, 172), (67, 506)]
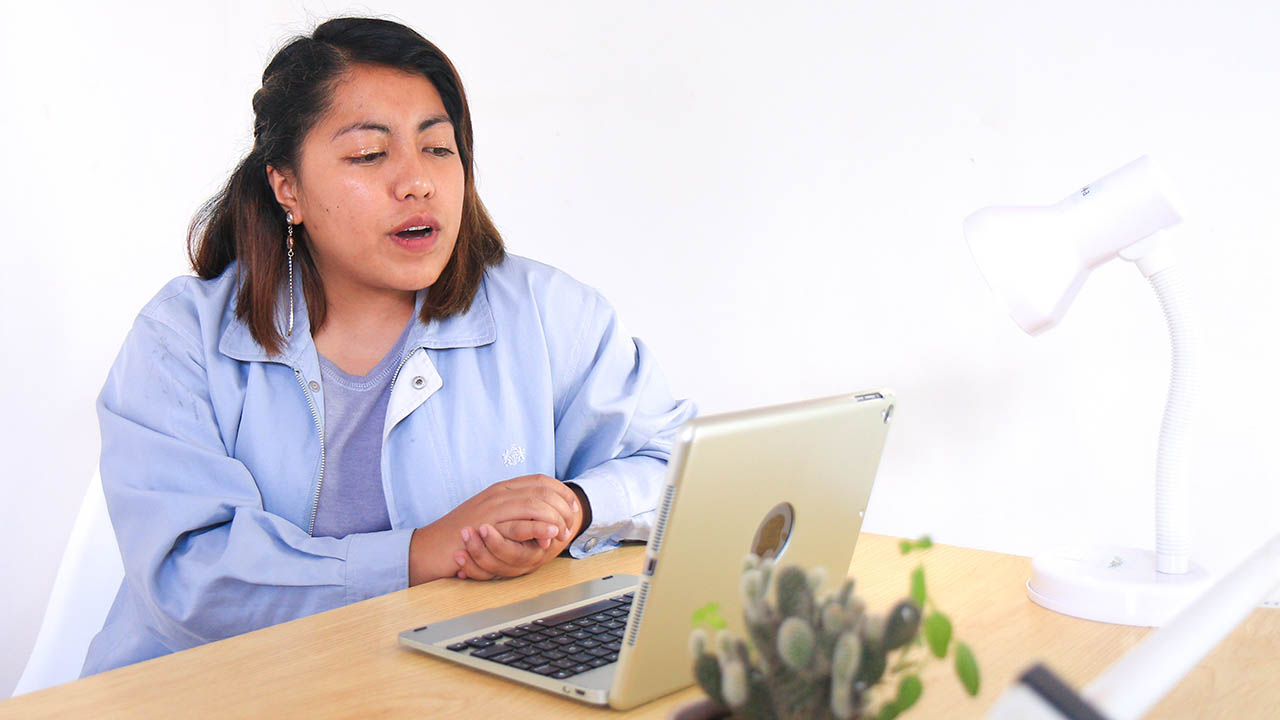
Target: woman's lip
[(420, 220), (417, 244)]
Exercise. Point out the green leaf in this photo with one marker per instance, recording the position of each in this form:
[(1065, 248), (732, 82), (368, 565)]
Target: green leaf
[(904, 546), (937, 630), (924, 543), (917, 586), (909, 690), (967, 668), (889, 711), (709, 614)]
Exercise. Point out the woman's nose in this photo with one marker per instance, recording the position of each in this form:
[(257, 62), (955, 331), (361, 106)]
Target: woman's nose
[(413, 179)]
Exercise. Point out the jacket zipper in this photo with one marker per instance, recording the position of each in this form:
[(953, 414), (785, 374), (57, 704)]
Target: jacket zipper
[(315, 501), (403, 361)]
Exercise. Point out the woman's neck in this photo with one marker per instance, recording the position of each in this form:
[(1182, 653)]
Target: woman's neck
[(360, 327)]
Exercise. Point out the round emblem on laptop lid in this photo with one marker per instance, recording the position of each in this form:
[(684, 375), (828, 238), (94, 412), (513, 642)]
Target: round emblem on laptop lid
[(775, 531)]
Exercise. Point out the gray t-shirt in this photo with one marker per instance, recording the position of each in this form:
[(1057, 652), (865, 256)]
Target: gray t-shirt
[(355, 407)]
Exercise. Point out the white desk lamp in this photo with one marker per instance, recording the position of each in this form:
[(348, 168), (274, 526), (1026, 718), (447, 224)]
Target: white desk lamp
[(1036, 259)]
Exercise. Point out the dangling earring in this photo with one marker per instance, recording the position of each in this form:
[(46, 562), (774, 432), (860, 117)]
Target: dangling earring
[(288, 219)]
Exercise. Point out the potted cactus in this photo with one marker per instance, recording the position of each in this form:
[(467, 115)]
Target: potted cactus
[(815, 657)]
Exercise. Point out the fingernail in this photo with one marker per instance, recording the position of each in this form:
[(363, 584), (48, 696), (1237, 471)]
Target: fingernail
[(484, 531), (466, 534), (460, 558), (564, 534), (552, 531)]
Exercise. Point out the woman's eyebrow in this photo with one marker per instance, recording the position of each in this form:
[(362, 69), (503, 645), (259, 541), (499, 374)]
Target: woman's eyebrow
[(378, 127)]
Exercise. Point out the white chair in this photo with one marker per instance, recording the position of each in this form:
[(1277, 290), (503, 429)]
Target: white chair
[(86, 584)]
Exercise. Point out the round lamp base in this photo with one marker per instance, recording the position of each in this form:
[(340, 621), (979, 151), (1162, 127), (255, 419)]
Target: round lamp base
[(1113, 585)]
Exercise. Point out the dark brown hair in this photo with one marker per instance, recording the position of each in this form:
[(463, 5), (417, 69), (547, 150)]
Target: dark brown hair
[(244, 223)]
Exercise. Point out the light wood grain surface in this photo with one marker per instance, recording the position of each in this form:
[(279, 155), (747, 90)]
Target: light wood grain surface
[(347, 663)]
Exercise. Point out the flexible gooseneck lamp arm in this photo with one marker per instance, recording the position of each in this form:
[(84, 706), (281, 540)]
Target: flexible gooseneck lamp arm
[(1036, 259)]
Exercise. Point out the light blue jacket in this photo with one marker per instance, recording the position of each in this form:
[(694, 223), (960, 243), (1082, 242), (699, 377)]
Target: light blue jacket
[(213, 452)]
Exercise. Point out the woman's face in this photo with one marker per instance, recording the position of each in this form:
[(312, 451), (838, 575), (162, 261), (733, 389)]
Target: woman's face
[(379, 185)]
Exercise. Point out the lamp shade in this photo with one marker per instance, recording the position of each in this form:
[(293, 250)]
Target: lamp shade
[(1037, 258)]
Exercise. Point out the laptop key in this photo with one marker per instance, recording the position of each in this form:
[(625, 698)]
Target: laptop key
[(486, 653), (600, 651), (529, 627), (576, 613), (525, 651), (563, 664), (545, 669), (546, 645), (614, 625), (479, 642), (598, 629), (562, 674), (565, 640), (617, 613), (552, 632), (589, 644), (459, 646), (492, 635), (598, 662), (514, 632), (614, 646), (507, 658), (572, 649), (522, 665), (582, 657), (568, 627), (554, 655), (580, 668), (580, 635), (537, 660), (516, 643)]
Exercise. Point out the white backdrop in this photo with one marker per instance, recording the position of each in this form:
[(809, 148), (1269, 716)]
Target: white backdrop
[(772, 198)]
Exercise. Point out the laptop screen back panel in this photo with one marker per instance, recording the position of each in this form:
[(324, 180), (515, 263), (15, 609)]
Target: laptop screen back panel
[(728, 473)]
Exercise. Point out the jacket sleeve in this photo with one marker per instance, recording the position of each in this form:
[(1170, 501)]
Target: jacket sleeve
[(616, 423), (201, 556)]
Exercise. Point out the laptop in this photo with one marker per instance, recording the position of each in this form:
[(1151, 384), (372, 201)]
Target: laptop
[(789, 482)]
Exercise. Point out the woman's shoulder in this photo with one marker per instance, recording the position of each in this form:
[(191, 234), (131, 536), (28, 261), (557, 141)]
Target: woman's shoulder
[(190, 306), (520, 280)]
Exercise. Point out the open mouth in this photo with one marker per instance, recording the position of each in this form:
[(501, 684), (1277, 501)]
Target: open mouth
[(416, 233)]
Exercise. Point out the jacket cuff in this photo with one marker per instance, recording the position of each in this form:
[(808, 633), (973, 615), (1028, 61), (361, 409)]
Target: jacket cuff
[(377, 563), (610, 513)]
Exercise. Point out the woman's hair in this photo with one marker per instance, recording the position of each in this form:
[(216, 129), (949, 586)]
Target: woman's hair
[(245, 223)]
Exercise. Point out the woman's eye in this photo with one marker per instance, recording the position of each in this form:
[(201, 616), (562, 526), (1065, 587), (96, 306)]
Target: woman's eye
[(367, 158), (439, 151)]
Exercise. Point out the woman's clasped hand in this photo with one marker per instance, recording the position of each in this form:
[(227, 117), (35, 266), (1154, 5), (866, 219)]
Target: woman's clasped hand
[(508, 529)]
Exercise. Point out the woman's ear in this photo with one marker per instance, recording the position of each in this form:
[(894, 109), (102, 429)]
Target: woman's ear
[(284, 185)]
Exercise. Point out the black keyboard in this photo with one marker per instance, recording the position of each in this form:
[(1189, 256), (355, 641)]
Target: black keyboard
[(560, 645)]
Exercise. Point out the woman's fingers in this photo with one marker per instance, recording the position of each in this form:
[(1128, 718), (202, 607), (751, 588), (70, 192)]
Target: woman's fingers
[(522, 556), (550, 490), (531, 505), (526, 530), (483, 557)]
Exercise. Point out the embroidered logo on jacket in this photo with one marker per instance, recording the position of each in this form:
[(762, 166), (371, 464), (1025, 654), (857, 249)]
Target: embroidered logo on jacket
[(513, 455)]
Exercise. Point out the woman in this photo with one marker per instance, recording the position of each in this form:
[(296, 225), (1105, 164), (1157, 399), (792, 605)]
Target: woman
[(361, 391)]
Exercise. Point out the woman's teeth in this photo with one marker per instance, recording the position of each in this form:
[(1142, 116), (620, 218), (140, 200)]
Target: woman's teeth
[(415, 232)]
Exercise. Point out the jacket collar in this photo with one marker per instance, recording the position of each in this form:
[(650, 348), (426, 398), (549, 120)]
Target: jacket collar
[(473, 328)]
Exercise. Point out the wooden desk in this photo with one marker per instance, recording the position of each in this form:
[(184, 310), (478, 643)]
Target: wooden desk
[(347, 663)]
